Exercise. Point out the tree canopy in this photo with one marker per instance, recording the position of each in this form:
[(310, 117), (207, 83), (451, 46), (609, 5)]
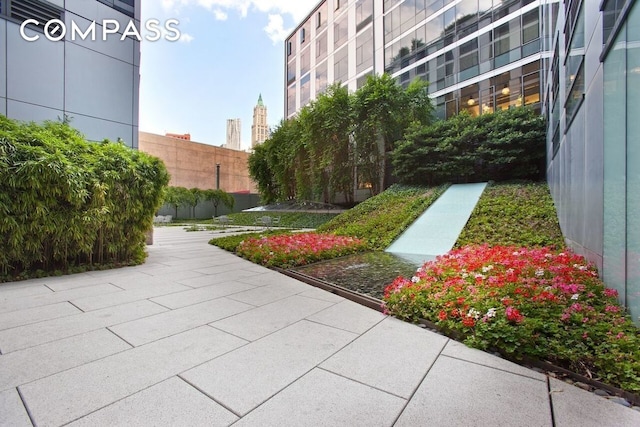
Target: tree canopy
[(339, 141)]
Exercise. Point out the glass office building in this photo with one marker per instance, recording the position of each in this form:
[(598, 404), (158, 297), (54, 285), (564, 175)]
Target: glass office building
[(478, 55), (93, 83)]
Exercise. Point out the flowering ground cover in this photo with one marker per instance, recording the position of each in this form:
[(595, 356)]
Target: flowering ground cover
[(521, 214), (291, 250), (525, 302)]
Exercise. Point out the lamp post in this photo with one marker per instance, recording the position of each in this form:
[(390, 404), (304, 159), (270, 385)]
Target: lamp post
[(217, 176)]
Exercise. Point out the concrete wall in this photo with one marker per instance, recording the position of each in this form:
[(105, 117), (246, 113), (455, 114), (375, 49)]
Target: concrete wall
[(205, 210), (193, 164)]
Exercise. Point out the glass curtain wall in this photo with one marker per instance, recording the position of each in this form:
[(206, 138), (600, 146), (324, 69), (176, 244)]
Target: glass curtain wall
[(621, 262)]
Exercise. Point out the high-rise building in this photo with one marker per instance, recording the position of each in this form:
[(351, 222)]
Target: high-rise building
[(92, 84), (593, 140), (233, 134), (259, 128), (478, 55)]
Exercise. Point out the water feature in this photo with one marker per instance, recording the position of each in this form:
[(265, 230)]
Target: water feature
[(366, 273)]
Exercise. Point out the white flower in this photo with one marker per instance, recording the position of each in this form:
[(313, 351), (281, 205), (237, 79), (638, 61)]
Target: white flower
[(575, 296), (539, 272), (487, 269), (516, 253), (491, 312), (473, 313), (548, 256), (415, 279), (479, 276), (465, 275)]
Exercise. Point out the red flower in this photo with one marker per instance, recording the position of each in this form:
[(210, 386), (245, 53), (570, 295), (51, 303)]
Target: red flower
[(442, 315), (513, 315), (469, 322)]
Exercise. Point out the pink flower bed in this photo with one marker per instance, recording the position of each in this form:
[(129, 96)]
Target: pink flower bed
[(298, 249), (525, 302)]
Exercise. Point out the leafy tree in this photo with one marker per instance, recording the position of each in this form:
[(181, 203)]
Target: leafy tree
[(218, 197), (327, 124), (383, 111), (262, 172), (317, 154), (194, 199), (178, 196)]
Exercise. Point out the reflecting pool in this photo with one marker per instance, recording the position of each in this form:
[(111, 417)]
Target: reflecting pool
[(367, 273)]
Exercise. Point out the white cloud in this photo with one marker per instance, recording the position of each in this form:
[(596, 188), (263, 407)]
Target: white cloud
[(220, 15), (275, 9), (186, 38), (275, 29)]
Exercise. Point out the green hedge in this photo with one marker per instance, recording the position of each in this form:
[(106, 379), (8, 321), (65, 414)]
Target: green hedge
[(67, 202), (502, 146)]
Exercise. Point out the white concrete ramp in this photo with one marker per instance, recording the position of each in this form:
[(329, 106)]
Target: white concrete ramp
[(437, 229)]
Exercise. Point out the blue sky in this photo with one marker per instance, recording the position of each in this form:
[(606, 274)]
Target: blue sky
[(230, 52)]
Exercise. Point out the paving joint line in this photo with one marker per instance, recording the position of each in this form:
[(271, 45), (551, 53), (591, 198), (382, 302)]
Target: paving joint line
[(415, 390), (26, 407), (211, 397), (550, 397), (493, 367)]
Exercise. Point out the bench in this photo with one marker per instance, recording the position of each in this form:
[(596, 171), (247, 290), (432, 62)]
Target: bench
[(267, 221), (223, 220), (162, 219)]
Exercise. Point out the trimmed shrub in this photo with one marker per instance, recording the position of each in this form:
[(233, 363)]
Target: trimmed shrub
[(505, 145), (66, 202)]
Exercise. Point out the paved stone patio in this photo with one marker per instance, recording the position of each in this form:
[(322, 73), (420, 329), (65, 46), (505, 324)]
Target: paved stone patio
[(197, 336)]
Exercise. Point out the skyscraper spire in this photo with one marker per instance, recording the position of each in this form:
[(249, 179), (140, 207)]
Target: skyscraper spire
[(260, 128)]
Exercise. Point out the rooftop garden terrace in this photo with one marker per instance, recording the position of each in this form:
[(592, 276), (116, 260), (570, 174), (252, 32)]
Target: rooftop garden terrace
[(509, 286)]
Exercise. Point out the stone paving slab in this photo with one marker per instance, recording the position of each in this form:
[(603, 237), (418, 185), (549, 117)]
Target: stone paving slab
[(267, 294), (460, 351), (261, 321), (24, 366), (22, 303), (152, 328), (393, 356), (195, 296), (322, 398), (321, 294), (67, 282), (171, 403), (575, 407), (8, 292), (52, 330), (349, 316), (136, 294), (28, 316), (459, 393), (12, 411), (246, 377), (71, 394), (215, 279), (270, 277)]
